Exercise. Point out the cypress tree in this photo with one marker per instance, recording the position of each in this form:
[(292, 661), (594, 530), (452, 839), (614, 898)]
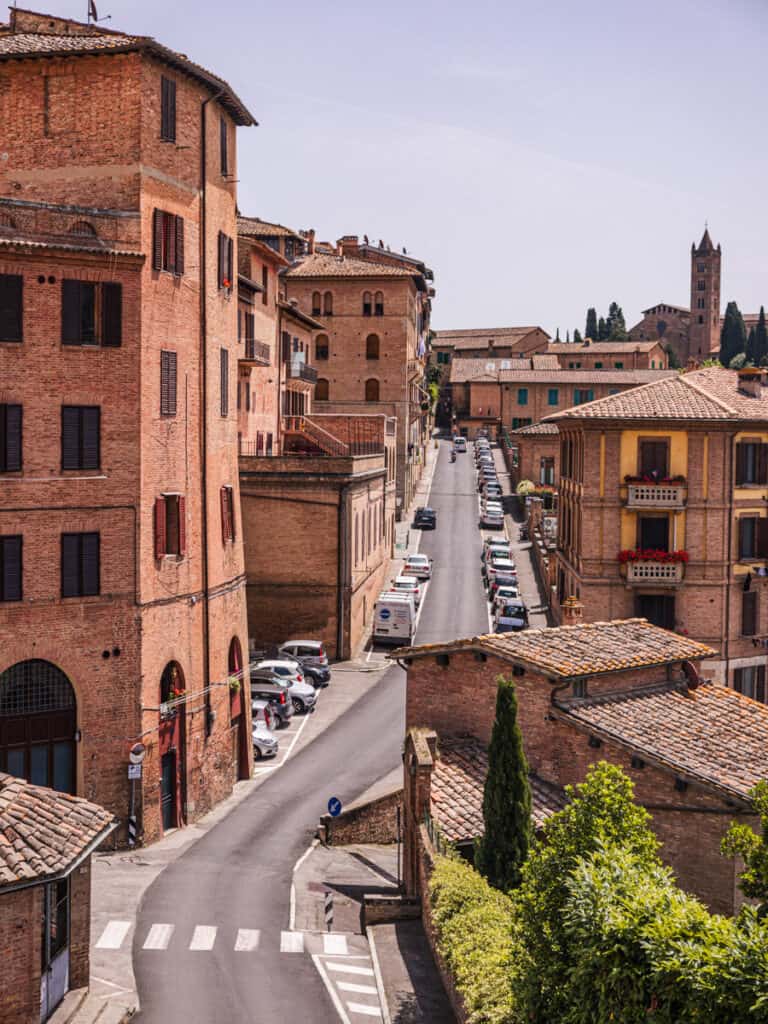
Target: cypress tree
[(750, 348), (567, 336), (557, 335), (733, 337), (503, 849), (577, 337), (761, 340), (615, 324), (591, 328), (602, 330)]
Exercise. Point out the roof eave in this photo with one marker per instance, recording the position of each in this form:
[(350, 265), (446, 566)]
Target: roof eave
[(94, 844)]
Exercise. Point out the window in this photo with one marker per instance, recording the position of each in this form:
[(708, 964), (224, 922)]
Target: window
[(547, 471), (227, 496), (653, 533), (316, 305), (521, 421), (613, 391), (10, 568), (226, 253), (167, 242), (750, 681), (582, 395), (250, 327), (443, 357), (167, 383), (269, 444), (167, 109), (701, 303), (321, 390), (372, 390), (701, 285), (618, 366), (91, 314), (247, 389), (328, 304), (265, 286), (11, 325), (223, 153), (751, 463), (553, 396), (598, 366), (522, 396), (224, 381), (367, 304), (378, 308), (701, 268), (574, 366), (653, 458), (79, 564), (753, 537), (372, 346), (659, 609), (321, 346), (80, 437), (10, 438), (700, 320), (170, 526), (749, 613)]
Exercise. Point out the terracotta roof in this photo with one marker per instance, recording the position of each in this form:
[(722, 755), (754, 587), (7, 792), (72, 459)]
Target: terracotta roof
[(103, 249), (602, 347), (463, 370), (568, 652), (536, 428), (562, 378), (458, 780), (545, 361), (711, 734), (256, 226), (304, 318), (18, 45), (42, 832), (446, 337), (708, 394), (328, 265)]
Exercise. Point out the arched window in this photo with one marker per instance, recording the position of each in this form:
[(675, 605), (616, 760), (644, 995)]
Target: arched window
[(82, 227), (6, 221), (171, 682), (379, 304), (235, 657), (367, 304), (315, 303), (321, 390), (372, 390), (321, 346), (372, 346), (328, 304)]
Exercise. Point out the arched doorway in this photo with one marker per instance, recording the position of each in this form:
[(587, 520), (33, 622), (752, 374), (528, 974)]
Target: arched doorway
[(172, 743), (38, 719), (238, 719)]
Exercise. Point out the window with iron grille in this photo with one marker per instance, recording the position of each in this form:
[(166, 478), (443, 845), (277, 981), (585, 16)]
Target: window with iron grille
[(11, 307), (170, 526), (10, 438), (226, 256), (80, 558), (224, 382), (11, 568), (167, 109), (80, 437), (168, 242), (34, 687), (167, 383), (227, 514), (91, 313)]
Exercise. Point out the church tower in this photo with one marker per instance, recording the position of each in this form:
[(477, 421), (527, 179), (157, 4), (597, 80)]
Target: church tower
[(704, 333)]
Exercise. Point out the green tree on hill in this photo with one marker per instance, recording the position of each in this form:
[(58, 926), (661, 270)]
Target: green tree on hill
[(591, 328), (577, 339), (615, 324), (602, 330), (757, 343), (733, 337)]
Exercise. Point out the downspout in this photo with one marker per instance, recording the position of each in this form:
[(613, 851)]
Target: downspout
[(204, 411), (279, 376), (729, 554), (341, 569)]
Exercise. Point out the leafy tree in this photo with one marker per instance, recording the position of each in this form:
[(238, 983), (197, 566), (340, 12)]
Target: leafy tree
[(503, 849), (733, 337), (615, 324), (591, 327), (753, 849), (738, 361), (577, 339), (674, 362), (602, 330)]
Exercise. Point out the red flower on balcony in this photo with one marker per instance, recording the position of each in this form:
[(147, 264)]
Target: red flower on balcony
[(648, 479), (651, 555)]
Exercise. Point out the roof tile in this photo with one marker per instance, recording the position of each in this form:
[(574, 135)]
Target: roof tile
[(329, 265)]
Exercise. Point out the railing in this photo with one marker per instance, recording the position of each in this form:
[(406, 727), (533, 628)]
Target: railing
[(322, 438), (298, 370), (655, 495), (439, 843), (661, 573), (257, 352)]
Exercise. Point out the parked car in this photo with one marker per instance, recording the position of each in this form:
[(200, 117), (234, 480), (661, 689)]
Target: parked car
[(262, 711), (491, 490), (419, 566), (408, 585), (264, 741), (269, 687), (425, 519), (497, 555), (302, 693), (491, 520), (496, 544), (511, 617), (503, 570), (505, 592), (310, 654), (460, 444)]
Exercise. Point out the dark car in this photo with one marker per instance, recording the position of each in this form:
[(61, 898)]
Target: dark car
[(425, 519), (268, 686), (512, 617)]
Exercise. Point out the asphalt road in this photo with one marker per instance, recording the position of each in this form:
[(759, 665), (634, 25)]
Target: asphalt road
[(238, 875)]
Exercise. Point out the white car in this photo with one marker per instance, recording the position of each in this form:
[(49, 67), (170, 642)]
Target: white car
[(264, 743), (505, 593), (408, 585), (419, 566), (490, 520), (303, 696)]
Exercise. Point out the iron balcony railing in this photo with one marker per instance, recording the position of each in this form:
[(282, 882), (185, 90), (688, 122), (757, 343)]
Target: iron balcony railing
[(299, 370), (257, 352)]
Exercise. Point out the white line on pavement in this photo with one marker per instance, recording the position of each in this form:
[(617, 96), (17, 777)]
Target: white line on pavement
[(296, 866), (351, 986), (247, 940), (291, 942), (159, 936), (350, 969), (331, 990), (336, 945), (113, 935), (203, 937), (368, 1011)]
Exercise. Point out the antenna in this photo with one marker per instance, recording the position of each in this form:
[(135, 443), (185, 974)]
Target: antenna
[(92, 14)]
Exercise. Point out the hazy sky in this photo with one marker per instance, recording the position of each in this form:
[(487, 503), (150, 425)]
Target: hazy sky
[(541, 156)]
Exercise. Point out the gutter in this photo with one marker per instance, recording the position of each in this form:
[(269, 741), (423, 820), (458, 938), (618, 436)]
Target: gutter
[(729, 541)]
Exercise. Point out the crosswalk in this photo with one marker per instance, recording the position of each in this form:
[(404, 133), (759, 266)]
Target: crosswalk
[(204, 937), (351, 982)]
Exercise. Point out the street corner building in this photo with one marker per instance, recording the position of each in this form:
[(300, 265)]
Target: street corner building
[(626, 692), (122, 601), (46, 842)]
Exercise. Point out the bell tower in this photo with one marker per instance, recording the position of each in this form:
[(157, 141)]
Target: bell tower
[(704, 332)]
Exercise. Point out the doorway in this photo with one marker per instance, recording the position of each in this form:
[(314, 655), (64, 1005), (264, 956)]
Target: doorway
[(54, 950), (168, 790), (238, 718), (172, 744)]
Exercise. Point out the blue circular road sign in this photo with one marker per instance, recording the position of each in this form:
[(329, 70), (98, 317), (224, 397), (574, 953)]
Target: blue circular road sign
[(334, 807), (385, 613)]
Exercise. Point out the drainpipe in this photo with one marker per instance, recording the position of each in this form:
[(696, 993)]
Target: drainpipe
[(341, 568), (729, 535), (204, 410)]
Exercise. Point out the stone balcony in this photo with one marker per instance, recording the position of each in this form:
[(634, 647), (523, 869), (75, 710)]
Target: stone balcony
[(650, 495), (658, 574), (256, 353)]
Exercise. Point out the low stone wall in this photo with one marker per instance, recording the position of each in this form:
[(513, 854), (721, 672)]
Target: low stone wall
[(380, 909), (371, 822)]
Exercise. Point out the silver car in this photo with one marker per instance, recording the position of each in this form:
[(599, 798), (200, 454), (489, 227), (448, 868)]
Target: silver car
[(310, 654), (264, 743), (303, 696)]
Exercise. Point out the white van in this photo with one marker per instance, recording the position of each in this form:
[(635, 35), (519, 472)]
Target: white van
[(394, 619), (460, 444)]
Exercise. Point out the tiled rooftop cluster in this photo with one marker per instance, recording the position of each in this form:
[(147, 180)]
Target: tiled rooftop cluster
[(331, 265), (535, 429)]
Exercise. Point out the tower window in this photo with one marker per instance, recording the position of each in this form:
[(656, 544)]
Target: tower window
[(701, 268), (701, 285)]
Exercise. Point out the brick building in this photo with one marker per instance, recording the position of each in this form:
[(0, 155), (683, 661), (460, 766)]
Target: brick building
[(610, 355), (676, 466), (46, 842), (122, 610), (625, 692), (372, 356), (485, 343), (534, 454)]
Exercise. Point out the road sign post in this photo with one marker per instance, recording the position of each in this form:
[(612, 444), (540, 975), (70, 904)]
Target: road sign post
[(328, 910), (334, 807), (136, 755)]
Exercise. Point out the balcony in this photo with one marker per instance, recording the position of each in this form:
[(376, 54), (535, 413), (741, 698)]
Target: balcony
[(299, 370), (659, 574), (257, 353), (657, 496)]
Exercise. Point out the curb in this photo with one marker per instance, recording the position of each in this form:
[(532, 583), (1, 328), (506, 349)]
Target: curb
[(386, 1015)]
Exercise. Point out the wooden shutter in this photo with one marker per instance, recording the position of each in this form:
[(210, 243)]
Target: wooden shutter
[(70, 312), (90, 427), (179, 245), (70, 564), (11, 568), (168, 110), (167, 383), (70, 437), (761, 461), (741, 463), (10, 438), (157, 240), (248, 398), (749, 613), (182, 525), (224, 503), (224, 382), (159, 527), (760, 684), (230, 261), (11, 307), (111, 314), (223, 146), (90, 563), (762, 538), (221, 260)]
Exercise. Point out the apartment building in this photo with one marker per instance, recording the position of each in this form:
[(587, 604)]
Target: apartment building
[(610, 355), (662, 513), (122, 604)]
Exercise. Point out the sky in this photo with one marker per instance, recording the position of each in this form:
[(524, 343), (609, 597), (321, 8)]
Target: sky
[(541, 157)]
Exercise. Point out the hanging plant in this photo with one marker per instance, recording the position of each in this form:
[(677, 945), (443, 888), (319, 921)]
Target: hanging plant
[(234, 684)]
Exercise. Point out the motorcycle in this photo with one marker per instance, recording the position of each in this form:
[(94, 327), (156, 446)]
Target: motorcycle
[(453, 456)]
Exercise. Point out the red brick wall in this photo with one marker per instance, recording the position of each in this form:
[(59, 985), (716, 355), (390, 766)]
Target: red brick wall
[(20, 914)]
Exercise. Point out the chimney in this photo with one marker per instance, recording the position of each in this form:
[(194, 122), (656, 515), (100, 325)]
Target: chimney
[(752, 381), (348, 245), (310, 237), (572, 611)]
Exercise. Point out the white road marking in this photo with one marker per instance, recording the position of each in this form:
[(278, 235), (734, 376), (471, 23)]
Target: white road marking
[(335, 945), (113, 935), (350, 969), (159, 936), (331, 990), (203, 937), (291, 942), (351, 986), (296, 866), (247, 940), (368, 1011)]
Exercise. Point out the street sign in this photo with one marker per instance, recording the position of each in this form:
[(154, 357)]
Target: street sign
[(136, 755), (384, 614), (134, 771), (334, 807)]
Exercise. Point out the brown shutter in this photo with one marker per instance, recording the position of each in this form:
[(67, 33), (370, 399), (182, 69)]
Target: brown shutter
[(221, 260), (231, 500), (11, 307), (224, 514), (90, 437), (762, 464), (223, 146), (111, 314), (182, 525), (70, 436), (70, 312), (90, 563), (157, 240), (762, 538), (230, 261), (159, 527), (741, 463), (11, 568), (10, 438), (760, 685), (224, 381), (179, 239), (70, 564), (749, 613)]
